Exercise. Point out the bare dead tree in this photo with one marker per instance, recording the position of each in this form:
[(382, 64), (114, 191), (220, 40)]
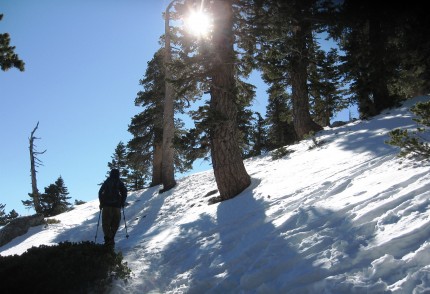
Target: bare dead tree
[(34, 162)]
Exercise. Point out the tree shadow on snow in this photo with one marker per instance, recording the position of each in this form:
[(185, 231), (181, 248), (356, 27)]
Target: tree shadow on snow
[(140, 217), (241, 249)]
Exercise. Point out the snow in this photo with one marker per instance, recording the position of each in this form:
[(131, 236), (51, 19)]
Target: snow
[(348, 216)]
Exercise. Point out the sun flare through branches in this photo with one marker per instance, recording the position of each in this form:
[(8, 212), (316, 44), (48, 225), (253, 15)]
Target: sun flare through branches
[(198, 23)]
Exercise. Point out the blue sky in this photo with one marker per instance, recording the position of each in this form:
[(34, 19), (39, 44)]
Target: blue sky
[(83, 61)]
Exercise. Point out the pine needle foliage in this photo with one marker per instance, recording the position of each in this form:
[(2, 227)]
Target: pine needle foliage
[(280, 152), (414, 144)]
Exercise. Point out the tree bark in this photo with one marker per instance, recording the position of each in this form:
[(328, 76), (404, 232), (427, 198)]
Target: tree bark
[(157, 164), (230, 173), (303, 123)]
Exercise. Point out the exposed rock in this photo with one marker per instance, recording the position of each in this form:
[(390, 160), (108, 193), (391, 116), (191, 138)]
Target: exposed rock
[(18, 227), (338, 124)]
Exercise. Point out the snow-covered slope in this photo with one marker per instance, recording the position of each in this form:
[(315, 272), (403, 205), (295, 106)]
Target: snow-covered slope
[(345, 217)]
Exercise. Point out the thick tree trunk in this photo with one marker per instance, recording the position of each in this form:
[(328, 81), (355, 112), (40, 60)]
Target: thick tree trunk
[(303, 123), (229, 170)]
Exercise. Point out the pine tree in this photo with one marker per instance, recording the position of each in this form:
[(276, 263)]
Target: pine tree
[(229, 170), (245, 119), (245, 125), (259, 138), (386, 51), (145, 148), (195, 141), (8, 57), (6, 218), (413, 45), (137, 175), (282, 33), (119, 161), (12, 215), (54, 200), (281, 130), (221, 121), (216, 71), (414, 143), (325, 86)]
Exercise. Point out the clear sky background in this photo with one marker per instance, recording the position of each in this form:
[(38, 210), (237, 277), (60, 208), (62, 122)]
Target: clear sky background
[(83, 62)]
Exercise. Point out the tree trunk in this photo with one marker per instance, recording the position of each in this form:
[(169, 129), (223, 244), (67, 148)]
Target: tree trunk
[(157, 164), (230, 173), (366, 107), (378, 72), (33, 162), (303, 123), (168, 168)]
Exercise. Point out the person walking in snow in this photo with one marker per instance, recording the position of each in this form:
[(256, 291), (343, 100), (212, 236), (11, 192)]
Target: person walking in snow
[(112, 195)]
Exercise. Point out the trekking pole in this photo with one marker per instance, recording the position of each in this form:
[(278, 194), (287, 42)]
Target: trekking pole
[(125, 223), (97, 230)]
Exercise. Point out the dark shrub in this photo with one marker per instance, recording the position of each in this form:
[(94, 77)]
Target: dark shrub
[(64, 268)]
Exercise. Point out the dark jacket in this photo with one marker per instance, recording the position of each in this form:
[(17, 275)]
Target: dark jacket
[(113, 192)]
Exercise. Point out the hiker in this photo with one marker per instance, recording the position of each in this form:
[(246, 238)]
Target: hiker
[(112, 195)]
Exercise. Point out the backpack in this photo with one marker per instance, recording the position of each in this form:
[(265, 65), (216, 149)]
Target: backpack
[(111, 193)]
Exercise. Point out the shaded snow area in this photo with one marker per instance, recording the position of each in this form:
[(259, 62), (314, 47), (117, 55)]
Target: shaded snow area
[(347, 216)]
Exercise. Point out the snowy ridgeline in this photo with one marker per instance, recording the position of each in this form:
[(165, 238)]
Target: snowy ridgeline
[(346, 217)]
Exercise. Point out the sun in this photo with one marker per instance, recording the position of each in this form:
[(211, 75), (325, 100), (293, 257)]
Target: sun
[(198, 23)]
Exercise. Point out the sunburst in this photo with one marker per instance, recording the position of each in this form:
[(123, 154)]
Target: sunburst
[(198, 23)]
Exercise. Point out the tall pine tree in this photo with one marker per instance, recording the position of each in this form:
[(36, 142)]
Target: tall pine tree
[(282, 36), (279, 119), (229, 170), (216, 70), (325, 86), (147, 126)]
